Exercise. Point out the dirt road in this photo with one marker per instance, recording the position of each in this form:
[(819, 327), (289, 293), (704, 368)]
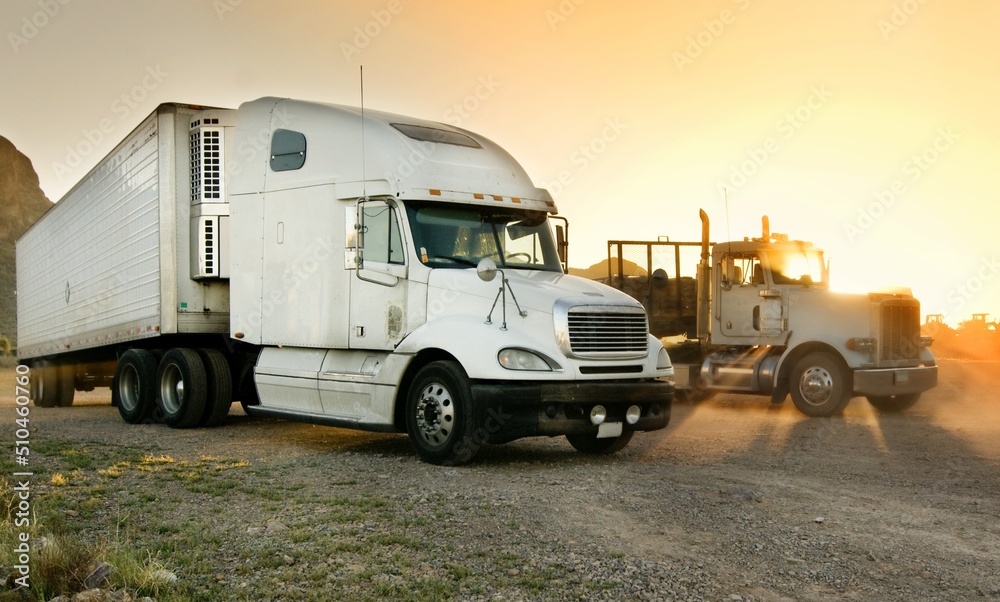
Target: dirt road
[(736, 500)]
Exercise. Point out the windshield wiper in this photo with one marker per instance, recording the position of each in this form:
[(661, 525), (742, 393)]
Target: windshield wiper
[(462, 260)]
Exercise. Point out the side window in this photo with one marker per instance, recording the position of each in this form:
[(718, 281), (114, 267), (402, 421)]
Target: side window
[(288, 150), (743, 269), (383, 243)]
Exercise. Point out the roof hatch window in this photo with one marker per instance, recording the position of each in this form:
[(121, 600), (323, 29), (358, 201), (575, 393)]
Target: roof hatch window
[(429, 134), (288, 150)]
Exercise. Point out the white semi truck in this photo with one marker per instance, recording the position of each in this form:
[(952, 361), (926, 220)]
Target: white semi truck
[(758, 317), (336, 266)]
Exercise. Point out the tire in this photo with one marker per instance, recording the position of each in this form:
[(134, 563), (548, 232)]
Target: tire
[(182, 387), (440, 419), (590, 444), (820, 385), (133, 389), (220, 388), (44, 384), (66, 388), (893, 403)]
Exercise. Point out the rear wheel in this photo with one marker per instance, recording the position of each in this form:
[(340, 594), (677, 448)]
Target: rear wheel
[(893, 403), (590, 444), (66, 389), (182, 388), (44, 384), (440, 419), (820, 385), (220, 387), (133, 389)]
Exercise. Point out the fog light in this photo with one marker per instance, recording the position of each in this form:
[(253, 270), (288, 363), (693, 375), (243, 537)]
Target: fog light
[(632, 415), (598, 414)]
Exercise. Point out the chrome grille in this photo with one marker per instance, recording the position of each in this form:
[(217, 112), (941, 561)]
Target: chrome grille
[(613, 330), (900, 336)]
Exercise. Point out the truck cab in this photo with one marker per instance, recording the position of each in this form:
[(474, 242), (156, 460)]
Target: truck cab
[(766, 322), (399, 274)]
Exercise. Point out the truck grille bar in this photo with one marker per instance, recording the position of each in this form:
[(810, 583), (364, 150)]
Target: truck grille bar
[(612, 330), (900, 336)]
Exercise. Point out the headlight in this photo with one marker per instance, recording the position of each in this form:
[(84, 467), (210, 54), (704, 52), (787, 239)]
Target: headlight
[(861, 344), (662, 360), (521, 359)]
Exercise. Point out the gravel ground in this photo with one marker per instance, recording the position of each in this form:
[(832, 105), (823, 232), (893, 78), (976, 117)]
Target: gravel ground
[(736, 500)]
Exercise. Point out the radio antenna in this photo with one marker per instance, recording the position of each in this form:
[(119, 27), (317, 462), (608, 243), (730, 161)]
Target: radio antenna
[(729, 235), (364, 172)]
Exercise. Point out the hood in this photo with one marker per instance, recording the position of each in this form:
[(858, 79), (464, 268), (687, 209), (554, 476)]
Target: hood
[(533, 289)]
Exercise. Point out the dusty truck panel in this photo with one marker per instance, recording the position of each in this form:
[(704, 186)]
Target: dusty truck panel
[(330, 265)]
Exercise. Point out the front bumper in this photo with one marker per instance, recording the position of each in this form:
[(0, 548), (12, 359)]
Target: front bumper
[(895, 381), (510, 411)]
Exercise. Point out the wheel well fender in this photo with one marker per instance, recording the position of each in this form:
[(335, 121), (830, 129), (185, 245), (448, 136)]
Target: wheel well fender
[(792, 357), (424, 357)]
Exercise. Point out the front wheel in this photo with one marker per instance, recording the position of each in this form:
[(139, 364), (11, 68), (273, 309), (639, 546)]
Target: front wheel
[(590, 444), (440, 418), (820, 385), (893, 403)]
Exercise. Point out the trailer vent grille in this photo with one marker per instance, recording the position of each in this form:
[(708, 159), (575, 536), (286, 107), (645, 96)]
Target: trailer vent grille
[(607, 331), (900, 336), (206, 163), (207, 245)]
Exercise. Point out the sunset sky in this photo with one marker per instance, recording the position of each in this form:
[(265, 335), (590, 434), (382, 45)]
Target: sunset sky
[(867, 126)]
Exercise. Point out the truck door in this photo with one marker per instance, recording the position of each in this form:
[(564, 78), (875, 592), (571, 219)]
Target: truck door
[(741, 278), (378, 288)]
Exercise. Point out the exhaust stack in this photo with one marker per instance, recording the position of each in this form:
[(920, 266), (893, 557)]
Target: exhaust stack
[(766, 228), (704, 277)]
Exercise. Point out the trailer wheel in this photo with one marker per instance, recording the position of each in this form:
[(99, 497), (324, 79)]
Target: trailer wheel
[(133, 389), (66, 388), (440, 419), (182, 389), (820, 385), (893, 403), (590, 444), (44, 384), (220, 387)]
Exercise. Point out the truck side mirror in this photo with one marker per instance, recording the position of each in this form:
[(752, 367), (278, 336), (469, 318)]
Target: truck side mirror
[(562, 241), (487, 269)]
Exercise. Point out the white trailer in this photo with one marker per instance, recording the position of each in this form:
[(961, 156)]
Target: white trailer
[(336, 266)]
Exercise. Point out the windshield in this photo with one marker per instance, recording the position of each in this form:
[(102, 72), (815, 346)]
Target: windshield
[(791, 265), (458, 236)]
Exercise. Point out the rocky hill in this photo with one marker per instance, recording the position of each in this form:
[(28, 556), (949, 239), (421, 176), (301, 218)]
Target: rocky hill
[(22, 202)]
